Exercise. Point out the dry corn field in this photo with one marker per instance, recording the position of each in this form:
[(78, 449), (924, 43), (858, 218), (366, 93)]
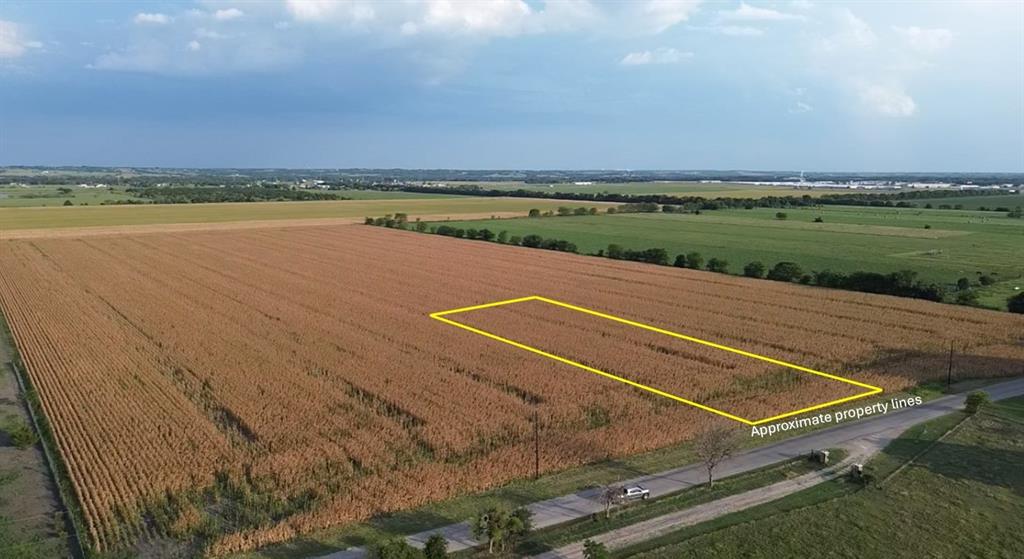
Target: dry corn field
[(266, 382)]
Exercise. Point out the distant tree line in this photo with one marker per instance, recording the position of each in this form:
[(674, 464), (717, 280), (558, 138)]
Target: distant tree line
[(228, 175), (691, 203), (199, 194)]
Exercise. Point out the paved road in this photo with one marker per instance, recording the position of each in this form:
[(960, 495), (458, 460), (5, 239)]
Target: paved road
[(874, 431), (654, 527)]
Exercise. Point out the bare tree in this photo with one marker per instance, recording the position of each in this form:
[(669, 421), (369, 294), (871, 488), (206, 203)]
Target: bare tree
[(610, 497), (713, 446)]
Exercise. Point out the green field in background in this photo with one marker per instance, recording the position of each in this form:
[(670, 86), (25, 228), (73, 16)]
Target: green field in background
[(19, 196), (991, 202), (957, 244)]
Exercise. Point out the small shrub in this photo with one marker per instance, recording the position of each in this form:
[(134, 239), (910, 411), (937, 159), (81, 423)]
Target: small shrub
[(436, 547), (397, 548), (1015, 304), (967, 297), (22, 436), (785, 271), (694, 260), (718, 265), (754, 269), (595, 550), (975, 401), (597, 416)]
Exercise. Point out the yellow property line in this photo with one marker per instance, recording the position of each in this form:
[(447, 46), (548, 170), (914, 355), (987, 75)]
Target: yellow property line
[(442, 314)]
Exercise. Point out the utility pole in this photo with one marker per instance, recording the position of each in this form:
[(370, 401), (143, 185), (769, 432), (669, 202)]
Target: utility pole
[(949, 371), (536, 444)]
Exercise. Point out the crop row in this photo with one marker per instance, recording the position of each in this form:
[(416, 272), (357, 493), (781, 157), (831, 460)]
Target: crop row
[(235, 388)]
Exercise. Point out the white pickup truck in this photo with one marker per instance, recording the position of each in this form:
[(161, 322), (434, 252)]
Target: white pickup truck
[(635, 492)]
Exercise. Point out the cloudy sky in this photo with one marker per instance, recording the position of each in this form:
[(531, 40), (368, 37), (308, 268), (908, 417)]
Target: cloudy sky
[(660, 84)]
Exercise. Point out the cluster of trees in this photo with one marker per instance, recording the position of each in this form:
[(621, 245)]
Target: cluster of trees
[(501, 528), (642, 207), (401, 221), (902, 284), (651, 255), (563, 211), (200, 194)]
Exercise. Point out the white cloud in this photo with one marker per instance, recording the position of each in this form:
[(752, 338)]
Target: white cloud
[(204, 33), (409, 28), (854, 32), (746, 12), (12, 41), (496, 17), (199, 52), (152, 19), (492, 18), (659, 15), (925, 40), (887, 100), (738, 30), (228, 14), (800, 107), (566, 15), (657, 56), (354, 11)]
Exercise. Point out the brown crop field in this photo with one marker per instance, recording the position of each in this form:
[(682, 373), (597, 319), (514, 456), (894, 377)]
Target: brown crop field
[(239, 387)]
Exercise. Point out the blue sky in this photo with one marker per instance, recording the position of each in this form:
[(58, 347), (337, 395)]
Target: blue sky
[(666, 84)]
